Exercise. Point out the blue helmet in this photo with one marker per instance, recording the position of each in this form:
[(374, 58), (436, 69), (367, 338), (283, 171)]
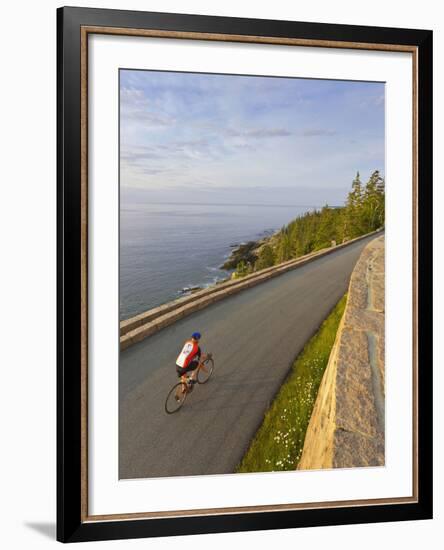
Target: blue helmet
[(196, 335)]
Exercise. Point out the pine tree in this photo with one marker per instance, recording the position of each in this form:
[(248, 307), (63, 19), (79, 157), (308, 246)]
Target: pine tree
[(284, 248), (266, 257), (380, 190), (373, 202), (354, 216), (326, 231), (364, 212), (355, 195)]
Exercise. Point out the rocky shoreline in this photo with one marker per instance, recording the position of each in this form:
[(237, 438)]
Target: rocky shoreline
[(246, 251)]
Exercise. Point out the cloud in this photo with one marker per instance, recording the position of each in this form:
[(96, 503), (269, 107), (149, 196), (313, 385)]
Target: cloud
[(131, 96), (375, 100), (380, 99), (202, 131), (136, 154), (152, 171), (175, 156), (146, 117), (136, 107), (260, 133), (315, 132)]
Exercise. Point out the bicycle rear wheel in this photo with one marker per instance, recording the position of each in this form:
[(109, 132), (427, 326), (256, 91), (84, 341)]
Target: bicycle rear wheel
[(175, 398), (204, 375)]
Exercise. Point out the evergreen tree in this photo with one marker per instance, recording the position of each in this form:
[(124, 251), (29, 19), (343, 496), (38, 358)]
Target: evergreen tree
[(327, 230), (355, 195), (364, 212), (354, 216), (284, 247), (266, 257), (375, 201)]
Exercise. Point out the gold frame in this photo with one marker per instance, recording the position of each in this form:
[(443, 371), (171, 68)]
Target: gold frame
[(85, 32)]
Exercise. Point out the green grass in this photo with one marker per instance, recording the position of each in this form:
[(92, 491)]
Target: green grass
[(278, 443)]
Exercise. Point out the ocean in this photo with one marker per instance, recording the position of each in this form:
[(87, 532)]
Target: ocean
[(166, 248)]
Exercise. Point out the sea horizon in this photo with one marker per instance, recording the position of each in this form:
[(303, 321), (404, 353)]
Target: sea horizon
[(169, 247)]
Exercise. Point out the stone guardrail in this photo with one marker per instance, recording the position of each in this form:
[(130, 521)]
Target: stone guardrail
[(145, 324), (347, 425)]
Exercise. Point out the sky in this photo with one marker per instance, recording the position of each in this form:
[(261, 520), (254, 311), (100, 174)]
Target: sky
[(246, 139)]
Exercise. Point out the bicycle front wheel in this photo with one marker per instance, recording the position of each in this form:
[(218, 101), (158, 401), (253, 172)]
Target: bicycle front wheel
[(175, 398), (206, 371)]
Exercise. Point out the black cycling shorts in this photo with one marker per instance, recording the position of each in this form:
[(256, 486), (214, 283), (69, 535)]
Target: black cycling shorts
[(192, 366)]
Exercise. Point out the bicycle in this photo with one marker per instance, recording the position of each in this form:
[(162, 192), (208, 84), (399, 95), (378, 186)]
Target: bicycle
[(178, 393)]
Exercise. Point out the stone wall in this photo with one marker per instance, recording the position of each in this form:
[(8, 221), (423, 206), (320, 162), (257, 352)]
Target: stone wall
[(346, 428)]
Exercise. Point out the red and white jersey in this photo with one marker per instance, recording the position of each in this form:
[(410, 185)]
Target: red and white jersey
[(187, 354)]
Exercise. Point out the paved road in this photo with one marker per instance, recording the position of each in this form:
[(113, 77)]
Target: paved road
[(254, 336)]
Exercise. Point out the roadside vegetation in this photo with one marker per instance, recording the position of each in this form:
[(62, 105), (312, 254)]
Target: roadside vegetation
[(363, 212), (278, 443)]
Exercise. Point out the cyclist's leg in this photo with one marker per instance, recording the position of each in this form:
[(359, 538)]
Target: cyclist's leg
[(181, 373), (193, 369)]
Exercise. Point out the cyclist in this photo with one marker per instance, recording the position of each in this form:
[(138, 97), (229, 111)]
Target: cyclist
[(189, 358)]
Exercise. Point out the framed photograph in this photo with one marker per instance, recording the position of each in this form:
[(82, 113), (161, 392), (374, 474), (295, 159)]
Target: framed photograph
[(244, 274)]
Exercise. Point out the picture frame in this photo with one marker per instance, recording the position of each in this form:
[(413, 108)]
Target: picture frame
[(74, 28)]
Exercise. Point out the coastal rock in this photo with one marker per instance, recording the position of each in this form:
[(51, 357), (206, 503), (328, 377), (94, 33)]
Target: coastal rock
[(249, 251), (245, 251), (189, 289)]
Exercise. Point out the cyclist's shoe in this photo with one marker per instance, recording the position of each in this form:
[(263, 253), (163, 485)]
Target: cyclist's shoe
[(191, 381)]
